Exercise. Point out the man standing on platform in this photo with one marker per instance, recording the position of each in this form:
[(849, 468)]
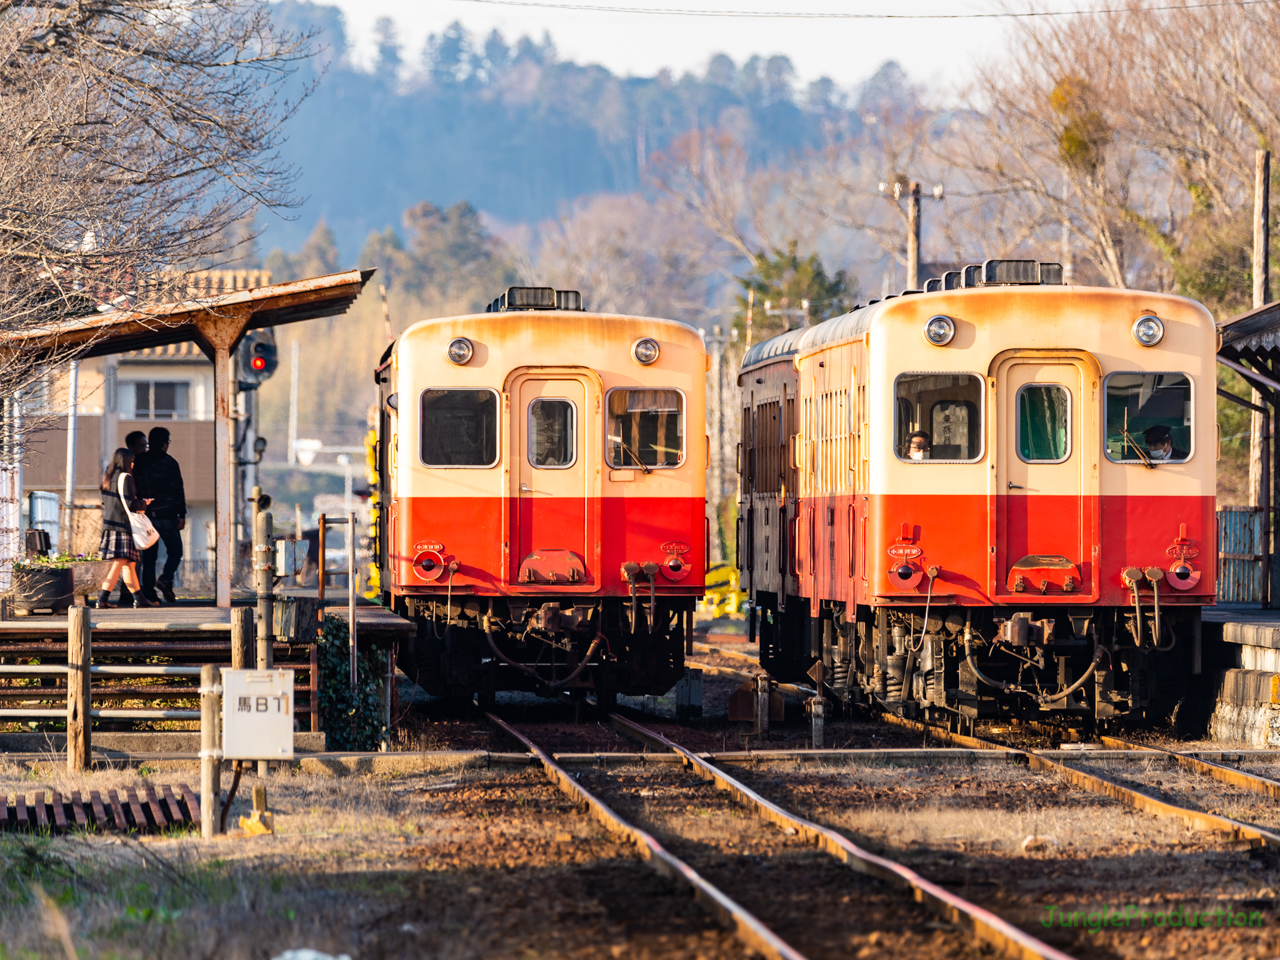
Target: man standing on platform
[(159, 474)]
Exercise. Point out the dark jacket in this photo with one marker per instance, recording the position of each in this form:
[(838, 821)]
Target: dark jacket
[(160, 479), (113, 510)]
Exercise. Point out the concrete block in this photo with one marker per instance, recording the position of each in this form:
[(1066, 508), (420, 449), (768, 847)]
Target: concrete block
[(1247, 707)]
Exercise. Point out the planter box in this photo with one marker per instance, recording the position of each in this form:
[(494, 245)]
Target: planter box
[(43, 588), (89, 575)]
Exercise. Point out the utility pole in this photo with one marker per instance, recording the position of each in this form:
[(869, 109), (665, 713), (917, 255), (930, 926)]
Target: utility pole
[(1261, 295), (69, 496), (715, 428), (751, 302), (913, 235), (293, 404), (900, 186)]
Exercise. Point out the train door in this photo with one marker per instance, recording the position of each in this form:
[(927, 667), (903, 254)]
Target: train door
[(1046, 477), (553, 467)]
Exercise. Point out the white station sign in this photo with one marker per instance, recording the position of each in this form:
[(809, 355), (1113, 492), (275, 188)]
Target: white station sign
[(257, 714)]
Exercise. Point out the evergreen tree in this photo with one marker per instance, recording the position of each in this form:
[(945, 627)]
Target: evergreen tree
[(785, 281)]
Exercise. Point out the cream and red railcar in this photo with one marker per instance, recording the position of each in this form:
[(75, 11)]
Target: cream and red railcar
[(542, 474), (1003, 497)]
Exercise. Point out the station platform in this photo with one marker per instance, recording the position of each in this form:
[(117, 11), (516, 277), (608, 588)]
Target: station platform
[(1241, 646)]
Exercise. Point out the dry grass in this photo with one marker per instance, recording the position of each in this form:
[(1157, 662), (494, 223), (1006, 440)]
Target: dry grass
[(338, 863)]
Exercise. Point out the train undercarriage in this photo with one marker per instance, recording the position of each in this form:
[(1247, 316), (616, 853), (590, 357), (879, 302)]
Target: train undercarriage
[(475, 646), (970, 663)]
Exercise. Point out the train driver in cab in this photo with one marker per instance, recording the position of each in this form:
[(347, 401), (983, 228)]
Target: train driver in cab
[(1160, 444), (919, 445)]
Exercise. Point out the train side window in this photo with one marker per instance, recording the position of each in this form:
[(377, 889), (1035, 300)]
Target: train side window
[(1044, 423), (938, 417), (645, 428), (552, 433), (459, 428), (1148, 417)]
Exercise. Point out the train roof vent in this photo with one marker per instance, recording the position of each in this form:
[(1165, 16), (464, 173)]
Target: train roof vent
[(933, 285), (568, 300), (536, 298), (951, 280), (971, 276), (1051, 273), (1010, 272), (907, 293)]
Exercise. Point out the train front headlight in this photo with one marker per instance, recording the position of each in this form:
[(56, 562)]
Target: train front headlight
[(645, 351), (459, 351), (939, 330), (1148, 331)]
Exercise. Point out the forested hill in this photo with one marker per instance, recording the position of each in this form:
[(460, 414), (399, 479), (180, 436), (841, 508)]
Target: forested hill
[(505, 124)]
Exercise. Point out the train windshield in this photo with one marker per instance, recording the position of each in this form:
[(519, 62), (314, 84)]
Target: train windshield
[(459, 428), (938, 417), (1148, 417), (646, 428)]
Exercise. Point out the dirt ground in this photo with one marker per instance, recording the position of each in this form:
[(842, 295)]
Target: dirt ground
[(457, 864)]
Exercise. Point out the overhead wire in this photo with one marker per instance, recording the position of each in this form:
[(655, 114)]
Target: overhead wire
[(840, 15)]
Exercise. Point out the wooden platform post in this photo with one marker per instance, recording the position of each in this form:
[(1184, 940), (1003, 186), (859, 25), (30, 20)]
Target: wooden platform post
[(210, 752), (79, 659), (241, 638)]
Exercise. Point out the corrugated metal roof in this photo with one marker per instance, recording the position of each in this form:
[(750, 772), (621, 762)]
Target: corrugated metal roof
[(783, 345), (186, 350), (1254, 331), (844, 327)]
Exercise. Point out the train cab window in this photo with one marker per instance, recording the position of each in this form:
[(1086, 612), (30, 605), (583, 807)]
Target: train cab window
[(938, 416), (646, 428), (459, 428), (1148, 417), (552, 434), (1044, 423)]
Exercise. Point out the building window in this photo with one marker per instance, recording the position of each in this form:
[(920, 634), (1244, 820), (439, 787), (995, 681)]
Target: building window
[(154, 399)]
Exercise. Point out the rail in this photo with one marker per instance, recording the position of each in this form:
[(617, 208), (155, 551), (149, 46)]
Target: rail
[(746, 927), (1036, 759), (982, 924), (1237, 778)]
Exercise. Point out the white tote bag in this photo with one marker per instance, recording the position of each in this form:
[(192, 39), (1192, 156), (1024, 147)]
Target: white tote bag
[(144, 534)]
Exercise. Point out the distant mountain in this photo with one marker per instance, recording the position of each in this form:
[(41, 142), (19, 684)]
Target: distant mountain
[(515, 130)]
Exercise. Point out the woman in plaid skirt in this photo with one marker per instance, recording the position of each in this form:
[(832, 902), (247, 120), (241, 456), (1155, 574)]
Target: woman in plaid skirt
[(117, 536)]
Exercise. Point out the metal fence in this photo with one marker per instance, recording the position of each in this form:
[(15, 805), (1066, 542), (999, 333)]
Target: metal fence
[(1240, 550)]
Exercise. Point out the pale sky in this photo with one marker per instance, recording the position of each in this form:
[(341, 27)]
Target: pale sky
[(938, 53)]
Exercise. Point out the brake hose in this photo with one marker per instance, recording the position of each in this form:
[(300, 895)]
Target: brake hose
[(448, 602)]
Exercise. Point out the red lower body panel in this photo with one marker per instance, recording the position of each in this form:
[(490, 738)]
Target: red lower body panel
[(489, 537), (847, 547)]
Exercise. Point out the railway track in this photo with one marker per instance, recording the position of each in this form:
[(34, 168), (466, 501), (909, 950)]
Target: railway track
[(799, 906), (1196, 818)]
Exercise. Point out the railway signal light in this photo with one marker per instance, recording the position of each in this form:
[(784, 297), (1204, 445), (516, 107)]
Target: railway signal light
[(257, 358)]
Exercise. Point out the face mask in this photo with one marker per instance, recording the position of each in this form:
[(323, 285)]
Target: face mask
[(916, 454), (1160, 454)]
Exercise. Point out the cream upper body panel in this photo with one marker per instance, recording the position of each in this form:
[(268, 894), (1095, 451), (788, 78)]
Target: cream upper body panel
[(991, 323), (514, 345)]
